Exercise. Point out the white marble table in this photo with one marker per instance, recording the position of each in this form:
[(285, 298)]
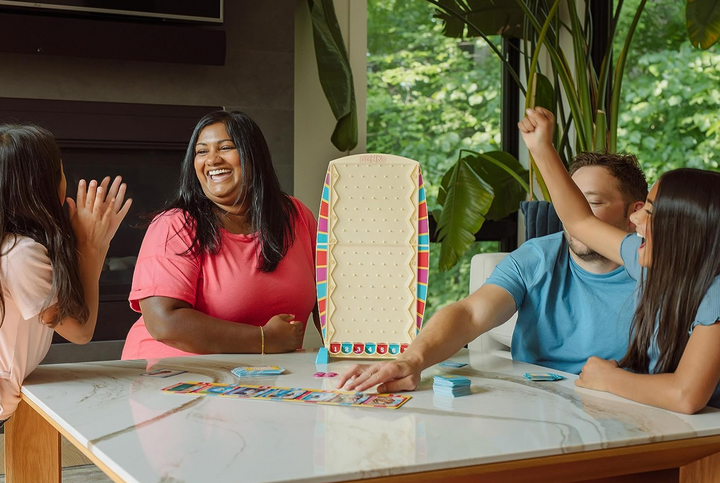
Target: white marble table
[(509, 429)]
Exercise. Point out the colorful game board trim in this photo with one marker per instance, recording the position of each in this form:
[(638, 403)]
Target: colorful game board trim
[(321, 254), (423, 253), (290, 394)]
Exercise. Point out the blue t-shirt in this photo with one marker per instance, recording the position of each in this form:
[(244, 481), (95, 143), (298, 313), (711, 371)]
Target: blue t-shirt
[(708, 313), (565, 314)]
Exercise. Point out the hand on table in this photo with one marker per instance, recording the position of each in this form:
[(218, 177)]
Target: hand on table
[(595, 373), (392, 376), (283, 334), (537, 129)]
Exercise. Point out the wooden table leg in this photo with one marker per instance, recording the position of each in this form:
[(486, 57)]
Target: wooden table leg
[(32, 448), (706, 470)]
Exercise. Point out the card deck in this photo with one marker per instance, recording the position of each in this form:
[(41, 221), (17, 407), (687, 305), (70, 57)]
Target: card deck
[(253, 371), (451, 385), (294, 394), (452, 364)]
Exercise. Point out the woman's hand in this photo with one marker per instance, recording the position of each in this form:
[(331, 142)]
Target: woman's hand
[(283, 334), (98, 212), (391, 375), (596, 374), (537, 129)]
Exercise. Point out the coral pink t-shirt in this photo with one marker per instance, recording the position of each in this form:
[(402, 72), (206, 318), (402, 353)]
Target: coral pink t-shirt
[(227, 285)]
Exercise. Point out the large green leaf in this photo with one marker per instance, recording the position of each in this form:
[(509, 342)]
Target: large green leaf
[(703, 22), (491, 17), (335, 73), (508, 192), (467, 198)]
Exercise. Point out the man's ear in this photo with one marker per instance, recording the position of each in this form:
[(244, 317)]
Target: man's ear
[(637, 206)]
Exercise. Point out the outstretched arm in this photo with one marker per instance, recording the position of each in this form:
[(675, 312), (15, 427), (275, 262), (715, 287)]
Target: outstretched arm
[(569, 202), (445, 333)]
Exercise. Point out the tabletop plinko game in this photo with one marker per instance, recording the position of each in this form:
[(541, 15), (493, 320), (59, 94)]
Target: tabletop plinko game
[(372, 255)]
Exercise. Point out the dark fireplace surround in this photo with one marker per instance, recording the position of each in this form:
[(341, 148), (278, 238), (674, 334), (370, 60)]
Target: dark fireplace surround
[(142, 142)]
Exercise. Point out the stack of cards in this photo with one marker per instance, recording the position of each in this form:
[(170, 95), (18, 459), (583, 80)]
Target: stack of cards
[(449, 385), (249, 371), (543, 376)]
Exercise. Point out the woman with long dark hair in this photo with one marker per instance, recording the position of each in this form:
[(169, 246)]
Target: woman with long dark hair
[(228, 266), (673, 360), (49, 265)]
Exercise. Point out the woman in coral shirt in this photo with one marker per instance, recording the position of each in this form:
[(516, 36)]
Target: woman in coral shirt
[(228, 267)]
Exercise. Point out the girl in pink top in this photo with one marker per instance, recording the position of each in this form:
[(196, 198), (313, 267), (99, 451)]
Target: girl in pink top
[(228, 267), (48, 279)]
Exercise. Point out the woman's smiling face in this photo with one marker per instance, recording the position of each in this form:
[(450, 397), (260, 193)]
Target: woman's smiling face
[(643, 222), (218, 167)]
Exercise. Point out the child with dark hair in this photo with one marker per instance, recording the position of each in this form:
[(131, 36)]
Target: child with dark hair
[(229, 265), (673, 360), (49, 265)]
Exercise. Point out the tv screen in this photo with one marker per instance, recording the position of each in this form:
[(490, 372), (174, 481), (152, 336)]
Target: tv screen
[(181, 10)]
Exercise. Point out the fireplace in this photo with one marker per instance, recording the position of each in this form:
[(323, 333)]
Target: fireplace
[(145, 144)]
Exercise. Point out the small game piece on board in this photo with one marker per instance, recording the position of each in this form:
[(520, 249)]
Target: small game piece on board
[(292, 394), (452, 364), (323, 356), (162, 373), (251, 371), (543, 376), (450, 385)]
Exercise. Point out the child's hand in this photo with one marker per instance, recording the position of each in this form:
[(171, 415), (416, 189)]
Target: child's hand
[(98, 212), (537, 129), (596, 373)]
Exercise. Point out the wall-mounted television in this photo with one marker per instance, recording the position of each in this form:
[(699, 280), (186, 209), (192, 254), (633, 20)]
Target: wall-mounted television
[(206, 11)]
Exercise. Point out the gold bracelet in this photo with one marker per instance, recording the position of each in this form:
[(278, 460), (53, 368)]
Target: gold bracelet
[(262, 341)]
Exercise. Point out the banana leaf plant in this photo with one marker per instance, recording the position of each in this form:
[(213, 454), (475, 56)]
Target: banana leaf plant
[(335, 73)]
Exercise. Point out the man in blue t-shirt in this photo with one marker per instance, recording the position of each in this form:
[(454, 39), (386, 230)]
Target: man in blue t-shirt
[(572, 303)]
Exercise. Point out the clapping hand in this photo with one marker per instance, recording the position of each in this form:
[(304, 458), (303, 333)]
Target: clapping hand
[(98, 212)]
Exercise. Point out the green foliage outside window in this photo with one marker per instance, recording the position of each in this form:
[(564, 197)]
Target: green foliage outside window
[(670, 108)]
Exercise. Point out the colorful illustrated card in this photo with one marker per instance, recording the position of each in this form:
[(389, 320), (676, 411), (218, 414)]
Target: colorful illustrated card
[(293, 394)]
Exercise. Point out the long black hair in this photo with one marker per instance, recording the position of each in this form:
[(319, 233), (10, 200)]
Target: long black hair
[(271, 212), (685, 224), (30, 176)]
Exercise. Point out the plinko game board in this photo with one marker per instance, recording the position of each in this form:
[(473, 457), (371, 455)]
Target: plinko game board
[(372, 255), (292, 394)]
